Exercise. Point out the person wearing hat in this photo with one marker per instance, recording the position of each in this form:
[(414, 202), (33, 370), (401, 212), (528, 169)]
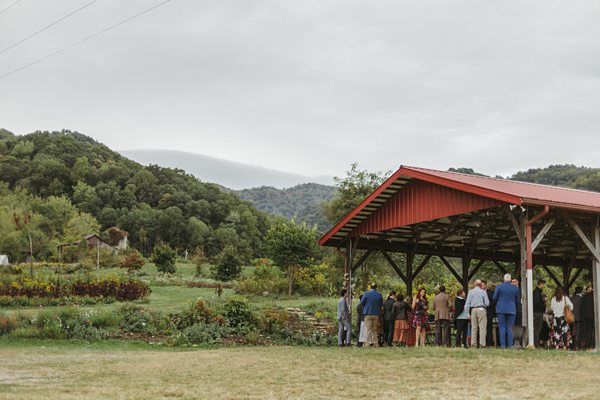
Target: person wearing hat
[(372, 302)]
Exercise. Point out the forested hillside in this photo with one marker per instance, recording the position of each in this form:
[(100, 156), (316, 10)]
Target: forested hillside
[(563, 175), (302, 202), (153, 204), (566, 175)]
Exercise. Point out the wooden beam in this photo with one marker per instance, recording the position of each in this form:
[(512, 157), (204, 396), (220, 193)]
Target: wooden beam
[(500, 267), (542, 233), (421, 266), (516, 225), (574, 278), (476, 269), (361, 260), (459, 251), (552, 276), (451, 269), (393, 265), (582, 235)]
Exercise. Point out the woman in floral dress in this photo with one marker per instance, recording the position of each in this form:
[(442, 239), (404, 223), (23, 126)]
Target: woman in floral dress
[(560, 336), (420, 317)]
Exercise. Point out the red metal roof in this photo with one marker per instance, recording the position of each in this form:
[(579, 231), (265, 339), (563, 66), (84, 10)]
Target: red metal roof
[(528, 193), (503, 191)]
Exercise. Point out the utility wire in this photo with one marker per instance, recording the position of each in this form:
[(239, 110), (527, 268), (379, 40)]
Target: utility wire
[(47, 27), (6, 9), (47, 56)]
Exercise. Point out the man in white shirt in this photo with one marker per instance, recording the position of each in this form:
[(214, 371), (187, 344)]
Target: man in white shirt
[(476, 305)]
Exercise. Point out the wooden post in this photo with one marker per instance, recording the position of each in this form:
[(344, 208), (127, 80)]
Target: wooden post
[(97, 259), (350, 254), (527, 279), (596, 282)]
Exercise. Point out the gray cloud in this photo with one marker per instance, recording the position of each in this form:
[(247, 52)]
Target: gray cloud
[(311, 86)]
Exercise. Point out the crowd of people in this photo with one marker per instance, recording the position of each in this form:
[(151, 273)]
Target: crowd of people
[(562, 324)]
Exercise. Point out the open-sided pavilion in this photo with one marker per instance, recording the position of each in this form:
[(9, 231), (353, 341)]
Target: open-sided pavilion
[(432, 213)]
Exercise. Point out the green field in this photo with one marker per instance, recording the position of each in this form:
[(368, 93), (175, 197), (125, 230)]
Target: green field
[(60, 370)]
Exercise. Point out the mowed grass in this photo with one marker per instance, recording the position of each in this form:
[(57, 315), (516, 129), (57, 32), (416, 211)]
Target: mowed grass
[(71, 371)]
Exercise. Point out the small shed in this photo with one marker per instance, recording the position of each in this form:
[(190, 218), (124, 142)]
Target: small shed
[(3, 259)]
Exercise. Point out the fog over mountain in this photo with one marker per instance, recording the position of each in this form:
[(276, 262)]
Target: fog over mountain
[(231, 174)]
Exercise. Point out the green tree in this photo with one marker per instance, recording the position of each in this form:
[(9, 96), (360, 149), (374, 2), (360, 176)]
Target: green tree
[(229, 265), (164, 257), (79, 225), (351, 191), (291, 246)]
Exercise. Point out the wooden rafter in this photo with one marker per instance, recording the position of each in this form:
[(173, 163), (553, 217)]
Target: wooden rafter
[(582, 235), (394, 265), (361, 260), (450, 268), (552, 276)]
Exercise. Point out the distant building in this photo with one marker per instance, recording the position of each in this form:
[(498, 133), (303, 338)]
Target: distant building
[(118, 238), (92, 240), (117, 241)]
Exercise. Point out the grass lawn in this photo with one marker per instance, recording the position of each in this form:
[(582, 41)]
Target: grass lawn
[(61, 370)]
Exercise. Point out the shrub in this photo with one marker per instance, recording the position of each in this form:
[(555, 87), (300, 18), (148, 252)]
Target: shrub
[(312, 280), (164, 257), (229, 265), (122, 290), (274, 321), (266, 278), (133, 261), (135, 319), (203, 333), (239, 316), (7, 324), (68, 323), (198, 312), (24, 301)]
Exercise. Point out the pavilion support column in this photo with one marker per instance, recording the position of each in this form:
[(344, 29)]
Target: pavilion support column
[(527, 278), (350, 250), (596, 282)]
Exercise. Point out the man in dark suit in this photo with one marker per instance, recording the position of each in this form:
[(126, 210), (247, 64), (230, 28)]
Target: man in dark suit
[(539, 308), (389, 319), (506, 297), (491, 313), (577, 300), (587, 315), (442, 317)]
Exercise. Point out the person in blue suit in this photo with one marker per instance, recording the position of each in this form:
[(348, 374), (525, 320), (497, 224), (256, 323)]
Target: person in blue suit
[(506, 298), (372, 302)]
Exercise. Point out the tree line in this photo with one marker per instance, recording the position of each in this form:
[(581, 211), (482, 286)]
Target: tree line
[(154, 204)]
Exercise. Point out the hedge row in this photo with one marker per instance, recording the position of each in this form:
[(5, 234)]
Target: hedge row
[(121, 290)]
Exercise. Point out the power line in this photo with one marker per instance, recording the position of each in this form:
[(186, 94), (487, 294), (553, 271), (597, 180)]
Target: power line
[(47, 56), (6, 9), (47, 27)]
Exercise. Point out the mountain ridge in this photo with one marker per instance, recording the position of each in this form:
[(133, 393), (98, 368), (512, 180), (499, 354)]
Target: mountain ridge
[(230, 174)]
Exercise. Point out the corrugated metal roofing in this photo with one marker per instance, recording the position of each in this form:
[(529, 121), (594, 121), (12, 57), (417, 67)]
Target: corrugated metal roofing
[(506, 191), (529, 193)]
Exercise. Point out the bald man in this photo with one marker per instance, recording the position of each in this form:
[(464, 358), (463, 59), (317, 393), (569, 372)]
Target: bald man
[(476, 306)]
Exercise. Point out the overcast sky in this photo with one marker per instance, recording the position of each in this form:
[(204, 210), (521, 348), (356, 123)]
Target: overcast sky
[(312, 86)]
